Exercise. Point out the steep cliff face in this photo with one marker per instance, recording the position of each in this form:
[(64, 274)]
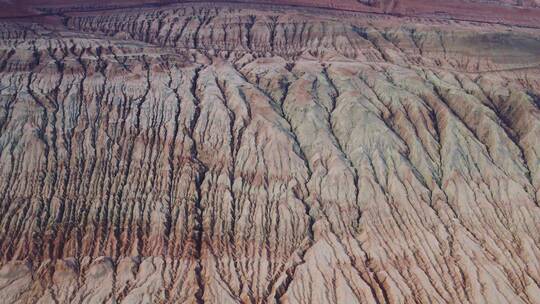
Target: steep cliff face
[(227, 155)]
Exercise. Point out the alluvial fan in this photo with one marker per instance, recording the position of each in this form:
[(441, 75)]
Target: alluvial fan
[(219, 154)]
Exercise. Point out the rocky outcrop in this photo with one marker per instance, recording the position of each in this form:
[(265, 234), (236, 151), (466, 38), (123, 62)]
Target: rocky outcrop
[(223, 155)]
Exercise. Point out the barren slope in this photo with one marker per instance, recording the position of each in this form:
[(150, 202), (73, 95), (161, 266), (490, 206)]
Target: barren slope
[(223, 155), (510, 12)]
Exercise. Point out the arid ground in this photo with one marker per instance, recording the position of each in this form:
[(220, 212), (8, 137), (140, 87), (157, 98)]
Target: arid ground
[(283, 152)]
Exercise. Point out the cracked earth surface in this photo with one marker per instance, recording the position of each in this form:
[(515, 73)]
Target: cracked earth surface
[(198, 154)]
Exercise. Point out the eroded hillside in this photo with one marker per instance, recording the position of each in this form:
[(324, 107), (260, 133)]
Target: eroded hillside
[(226, 155)]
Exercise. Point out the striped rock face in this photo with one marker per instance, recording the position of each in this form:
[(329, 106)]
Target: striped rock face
[(227, 154)]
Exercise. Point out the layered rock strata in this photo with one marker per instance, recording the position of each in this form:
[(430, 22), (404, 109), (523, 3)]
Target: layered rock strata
[(226, 155)]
